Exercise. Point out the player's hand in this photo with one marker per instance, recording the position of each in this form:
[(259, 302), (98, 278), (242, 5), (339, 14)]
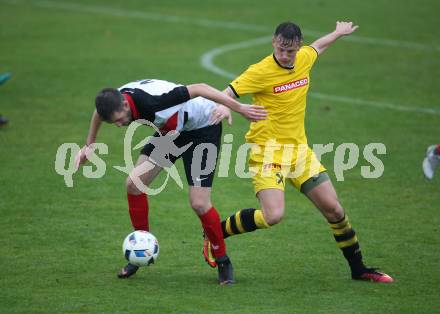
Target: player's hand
[(345, 28), (83, 155), (219, 113), (253, 112)]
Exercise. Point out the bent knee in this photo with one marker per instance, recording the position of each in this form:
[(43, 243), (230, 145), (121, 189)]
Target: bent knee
[(131, 187), (333, 211), (273, 217), (200, 206)]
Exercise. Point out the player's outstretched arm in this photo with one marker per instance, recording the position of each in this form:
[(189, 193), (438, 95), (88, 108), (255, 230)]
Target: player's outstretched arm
[(82, 155), (221, 112), (342, 29), (250, 112), (95, 123)]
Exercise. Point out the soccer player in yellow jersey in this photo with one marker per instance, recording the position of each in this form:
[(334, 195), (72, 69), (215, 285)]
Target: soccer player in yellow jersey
[(280, 83)]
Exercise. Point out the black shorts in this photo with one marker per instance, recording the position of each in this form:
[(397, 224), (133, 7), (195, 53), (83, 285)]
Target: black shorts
[(199, 158)]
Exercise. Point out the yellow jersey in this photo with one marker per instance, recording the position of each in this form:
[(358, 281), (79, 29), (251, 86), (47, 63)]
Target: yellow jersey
[(282, 92)]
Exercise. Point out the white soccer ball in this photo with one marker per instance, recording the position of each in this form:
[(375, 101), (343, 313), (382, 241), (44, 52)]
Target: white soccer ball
[(141, 248)]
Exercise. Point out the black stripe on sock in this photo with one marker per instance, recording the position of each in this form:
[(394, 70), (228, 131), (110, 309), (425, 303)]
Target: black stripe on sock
[(225, 233), (346, 236), (353, 255), (247, 219), (234, 225), (351, 251)]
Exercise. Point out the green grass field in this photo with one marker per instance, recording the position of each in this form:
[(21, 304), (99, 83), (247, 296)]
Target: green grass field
[(61, 247)]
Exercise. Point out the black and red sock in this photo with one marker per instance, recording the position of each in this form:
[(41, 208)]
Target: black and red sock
[(213, 230), (138, 209)]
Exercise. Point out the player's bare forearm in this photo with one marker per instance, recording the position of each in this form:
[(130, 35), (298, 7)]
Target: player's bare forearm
[(342, 29), (324, 42), (95, 123), (250, 112), (206, 91), (85, 151)]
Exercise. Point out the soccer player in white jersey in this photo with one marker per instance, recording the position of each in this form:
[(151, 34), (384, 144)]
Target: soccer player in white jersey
[(172, 108)]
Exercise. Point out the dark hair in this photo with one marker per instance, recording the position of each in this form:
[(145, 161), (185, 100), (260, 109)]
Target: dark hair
[(289, 31), (108, 101)]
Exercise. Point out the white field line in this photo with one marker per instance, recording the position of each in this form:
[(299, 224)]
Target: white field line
[(209, 23), (207, 62), (207, 59)]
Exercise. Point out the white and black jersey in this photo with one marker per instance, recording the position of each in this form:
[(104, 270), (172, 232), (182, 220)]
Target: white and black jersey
[(167, 105)]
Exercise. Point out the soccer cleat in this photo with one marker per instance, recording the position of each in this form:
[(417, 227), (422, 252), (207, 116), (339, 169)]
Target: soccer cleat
[(225, 271), (431, 162), (207, 252), (128, 271), (371, 274)]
